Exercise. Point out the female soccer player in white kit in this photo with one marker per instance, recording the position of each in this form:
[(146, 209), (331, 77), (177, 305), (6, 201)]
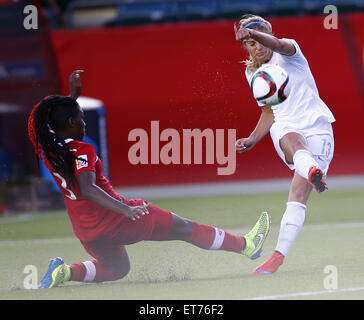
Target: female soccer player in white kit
[(300, 127)]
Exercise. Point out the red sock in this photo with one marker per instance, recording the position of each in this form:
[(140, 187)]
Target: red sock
[(211, 238), (233, 243), (91, 271), (78, 271)]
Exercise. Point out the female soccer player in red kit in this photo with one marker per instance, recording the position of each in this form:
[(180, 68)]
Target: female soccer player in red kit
[(102, 220)]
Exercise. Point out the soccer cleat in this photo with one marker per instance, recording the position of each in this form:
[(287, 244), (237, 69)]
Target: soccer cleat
[(271, 265), (255, 238), (315, 178), (57, 273)]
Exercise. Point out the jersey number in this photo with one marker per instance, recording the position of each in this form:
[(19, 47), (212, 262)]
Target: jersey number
[(64, 186)]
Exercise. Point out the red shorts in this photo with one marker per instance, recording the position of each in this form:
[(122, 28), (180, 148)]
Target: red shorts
[(153, 226)]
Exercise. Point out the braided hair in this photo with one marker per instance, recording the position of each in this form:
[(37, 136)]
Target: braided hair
[(46, 118)]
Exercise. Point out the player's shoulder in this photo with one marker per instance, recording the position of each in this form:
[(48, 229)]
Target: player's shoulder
[(298, 52), (77, 145)]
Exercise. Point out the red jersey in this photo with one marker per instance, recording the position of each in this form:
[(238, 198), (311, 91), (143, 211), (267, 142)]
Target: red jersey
[(89, 220)]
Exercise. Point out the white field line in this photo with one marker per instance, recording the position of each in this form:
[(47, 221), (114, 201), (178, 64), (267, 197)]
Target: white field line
[(327, 226), (9, 243), (312, 227), (13, 218), (305, 294)]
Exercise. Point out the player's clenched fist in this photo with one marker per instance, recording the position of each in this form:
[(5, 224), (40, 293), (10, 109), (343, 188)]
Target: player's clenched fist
[(241, 34), (244, 144), (75, 84)]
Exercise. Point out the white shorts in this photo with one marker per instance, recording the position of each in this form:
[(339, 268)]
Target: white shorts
[(319, 138)]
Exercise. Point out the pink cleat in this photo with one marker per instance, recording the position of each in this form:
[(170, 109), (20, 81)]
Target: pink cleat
[(271, 265), (315, 178)]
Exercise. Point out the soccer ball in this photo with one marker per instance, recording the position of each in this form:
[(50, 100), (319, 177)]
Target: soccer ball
[(270, 85)]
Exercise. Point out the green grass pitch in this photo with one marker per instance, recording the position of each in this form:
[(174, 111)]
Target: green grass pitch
[(332, 236)]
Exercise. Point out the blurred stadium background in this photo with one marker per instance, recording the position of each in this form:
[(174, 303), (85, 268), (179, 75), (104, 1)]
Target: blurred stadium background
[(177, 62), (174, 61)]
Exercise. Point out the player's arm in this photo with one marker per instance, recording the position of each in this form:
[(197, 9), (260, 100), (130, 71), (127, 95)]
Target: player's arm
[(75, 84), (261, 130), (92, 192), (281, 46)]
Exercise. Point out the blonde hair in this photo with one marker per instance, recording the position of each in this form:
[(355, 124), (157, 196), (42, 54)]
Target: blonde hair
[(264, 26)]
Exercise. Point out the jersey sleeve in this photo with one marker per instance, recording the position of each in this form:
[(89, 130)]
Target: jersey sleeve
[(297, 57), (85, 158)]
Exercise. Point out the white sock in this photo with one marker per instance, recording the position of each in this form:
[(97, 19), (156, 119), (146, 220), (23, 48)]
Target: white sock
[(219, 239), (90, 271), (303, 161), (291, 224)]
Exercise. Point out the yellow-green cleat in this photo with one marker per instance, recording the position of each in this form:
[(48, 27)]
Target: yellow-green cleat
[(255, 238), (57, 273)]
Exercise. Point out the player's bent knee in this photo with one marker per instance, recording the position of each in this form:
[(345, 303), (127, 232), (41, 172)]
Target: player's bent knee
[(121, 267), (120, 270), (121, 273)]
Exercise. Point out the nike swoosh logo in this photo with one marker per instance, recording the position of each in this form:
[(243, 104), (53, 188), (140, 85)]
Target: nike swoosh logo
[(61, 270), (261, 238), (291, 224)]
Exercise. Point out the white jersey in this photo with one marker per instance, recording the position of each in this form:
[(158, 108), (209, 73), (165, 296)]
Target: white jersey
[(303, 106)]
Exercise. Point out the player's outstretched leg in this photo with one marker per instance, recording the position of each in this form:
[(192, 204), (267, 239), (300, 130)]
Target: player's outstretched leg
[(255, 238), (211, 238), (57, 273)]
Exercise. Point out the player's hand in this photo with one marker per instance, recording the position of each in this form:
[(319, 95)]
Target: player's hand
[(75, 84), (137, 211), (241, 34), (243, 145)]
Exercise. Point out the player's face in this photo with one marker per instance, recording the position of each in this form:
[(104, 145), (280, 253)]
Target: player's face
[(80, 126), (258, 51)]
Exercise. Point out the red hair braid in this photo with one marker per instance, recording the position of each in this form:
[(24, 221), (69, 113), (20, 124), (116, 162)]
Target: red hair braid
[(31, 130)]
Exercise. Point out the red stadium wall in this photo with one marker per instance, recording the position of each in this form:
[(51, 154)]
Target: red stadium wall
[(188, 76)]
